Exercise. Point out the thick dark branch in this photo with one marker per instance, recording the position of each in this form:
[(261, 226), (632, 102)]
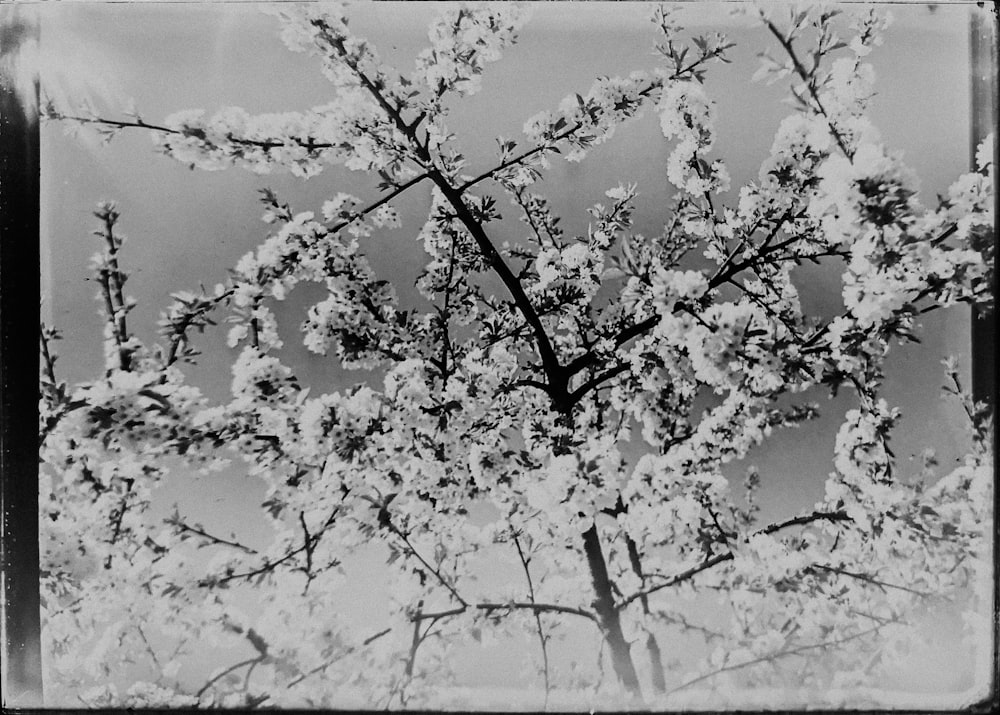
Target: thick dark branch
[(550, 362), (454, 196), (625, 335), (607, 614), (597, 381)]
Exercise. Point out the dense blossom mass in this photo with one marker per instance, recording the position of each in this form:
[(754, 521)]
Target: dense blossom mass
[(563, 404)]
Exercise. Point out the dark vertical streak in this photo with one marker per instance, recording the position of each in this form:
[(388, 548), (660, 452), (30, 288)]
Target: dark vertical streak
[(983, 51), (983, 35), (19, 315)]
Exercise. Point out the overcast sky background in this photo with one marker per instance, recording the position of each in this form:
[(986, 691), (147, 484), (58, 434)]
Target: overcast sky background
[(186, 228)]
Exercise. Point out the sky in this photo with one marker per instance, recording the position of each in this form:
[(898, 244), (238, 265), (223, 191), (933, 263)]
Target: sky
[(186, 228)]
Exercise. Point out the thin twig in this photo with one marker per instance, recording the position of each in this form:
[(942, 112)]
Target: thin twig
[(775, 656), (542, 639), (343, 654), (645, 92), (520, 158), (870, 579), (728, 556), (216, 540), (309, 144), (810, 84), (231, 669), (437, 574)]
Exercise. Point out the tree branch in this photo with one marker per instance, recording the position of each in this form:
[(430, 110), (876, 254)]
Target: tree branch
[(48, 363), (679, 73), (437, 574), (116, 281), (381, 202), (215, 540), (810, 84), (831, 516), (415, 641), (542, 639), (869, 579), (348, 651), (519, 158), (454, 196), (596, 381), (308, 545), (510, 606), (775, 656), (269, 566), (140, 124), (652, 646), (231, 669), (550, 362)]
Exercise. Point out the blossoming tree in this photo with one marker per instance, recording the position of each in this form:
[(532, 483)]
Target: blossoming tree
[(528, 381)]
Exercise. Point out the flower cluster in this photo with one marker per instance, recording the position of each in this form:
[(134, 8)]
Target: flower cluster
[(463, 40), (687, 115), (587, 120)]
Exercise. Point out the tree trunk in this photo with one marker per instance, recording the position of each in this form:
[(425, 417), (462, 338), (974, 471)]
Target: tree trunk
[(604, 604), (652, 647)]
